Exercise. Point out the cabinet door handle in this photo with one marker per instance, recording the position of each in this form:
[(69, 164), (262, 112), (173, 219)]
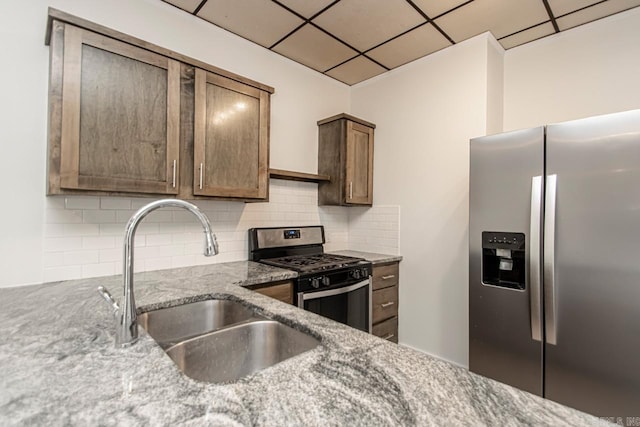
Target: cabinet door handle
[(390, 276), (388, 337), (387, 304), (201, 176), (351, 190), (175, 162)]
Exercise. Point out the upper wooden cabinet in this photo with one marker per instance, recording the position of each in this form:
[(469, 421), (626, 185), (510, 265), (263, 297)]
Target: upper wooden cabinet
[(345, 153), (118, 125), (231, 138), (129, 117)]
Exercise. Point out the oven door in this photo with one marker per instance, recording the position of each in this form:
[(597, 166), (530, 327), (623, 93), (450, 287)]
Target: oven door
[(350, 304)]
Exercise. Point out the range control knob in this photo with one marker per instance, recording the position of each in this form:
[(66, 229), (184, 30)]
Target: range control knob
[(364, 272), (355, 274), (326, 281), (315, 282)]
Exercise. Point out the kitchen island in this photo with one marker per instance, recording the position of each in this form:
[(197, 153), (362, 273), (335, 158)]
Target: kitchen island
[(60, 367)]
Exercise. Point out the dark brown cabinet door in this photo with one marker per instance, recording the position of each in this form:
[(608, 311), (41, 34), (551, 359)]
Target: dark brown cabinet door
[(231, 138), (359, 161), (120, 116), (345, 154)]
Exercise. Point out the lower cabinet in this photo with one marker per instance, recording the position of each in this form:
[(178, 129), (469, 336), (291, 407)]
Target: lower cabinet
[(385, 301), (282, 291)]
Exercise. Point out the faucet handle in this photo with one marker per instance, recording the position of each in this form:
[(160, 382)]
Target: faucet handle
[(104, 293)]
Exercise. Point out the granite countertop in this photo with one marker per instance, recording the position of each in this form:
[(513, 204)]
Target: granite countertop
[(370, 256), (60, 367)]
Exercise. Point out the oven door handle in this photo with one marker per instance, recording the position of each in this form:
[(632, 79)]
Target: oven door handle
[(305, 296)]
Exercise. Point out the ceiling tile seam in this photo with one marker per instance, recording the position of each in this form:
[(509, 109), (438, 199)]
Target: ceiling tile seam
[(523, 30), (288, 9), (342, 63), (451, 10), (373, 60), (335, 37), (200, 6), (395, 37), (429, 20), (306, 20), (287, 35), (323, 10), (551, 17), (581, 9)]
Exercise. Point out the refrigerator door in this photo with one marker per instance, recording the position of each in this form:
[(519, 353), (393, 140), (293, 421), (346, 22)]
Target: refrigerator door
[(504, 307), (592, 310)]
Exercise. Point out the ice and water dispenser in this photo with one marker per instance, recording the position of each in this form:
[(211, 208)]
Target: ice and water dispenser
[(503, 259)]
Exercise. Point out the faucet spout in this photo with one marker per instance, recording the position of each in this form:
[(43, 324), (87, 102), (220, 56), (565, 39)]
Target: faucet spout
[(127, 328)]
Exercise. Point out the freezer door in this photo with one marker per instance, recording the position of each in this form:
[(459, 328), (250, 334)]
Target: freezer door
[(593, 309), (504, 316)]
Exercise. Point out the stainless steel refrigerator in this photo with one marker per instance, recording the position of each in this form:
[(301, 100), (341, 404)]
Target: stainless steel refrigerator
[(554, 267)]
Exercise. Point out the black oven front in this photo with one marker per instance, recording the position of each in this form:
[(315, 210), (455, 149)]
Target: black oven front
[(347, 301)]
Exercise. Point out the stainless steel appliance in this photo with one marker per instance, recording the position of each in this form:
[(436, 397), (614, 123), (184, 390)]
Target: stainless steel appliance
[(334, 286), (554, 269)]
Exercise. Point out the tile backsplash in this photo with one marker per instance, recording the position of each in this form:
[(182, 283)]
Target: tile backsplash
[(84, 234)]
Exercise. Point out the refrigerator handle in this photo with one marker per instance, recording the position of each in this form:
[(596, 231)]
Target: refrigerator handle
[(534, 258), (549, 259)]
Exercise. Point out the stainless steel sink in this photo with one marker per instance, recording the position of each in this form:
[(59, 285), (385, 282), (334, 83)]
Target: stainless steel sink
[(240, 350), (220, 341), (169, 326)]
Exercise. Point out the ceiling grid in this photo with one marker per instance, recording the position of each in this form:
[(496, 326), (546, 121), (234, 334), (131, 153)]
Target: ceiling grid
[(354, 40)]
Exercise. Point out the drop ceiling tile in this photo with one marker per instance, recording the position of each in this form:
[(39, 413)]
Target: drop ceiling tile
[(413, 45), (527, 36), (366, 23), (435, 8), (562, 7), (501, 17), (597, 11), (306, 8), (313, 48), (356, 70), (261, 21), (188, 5)]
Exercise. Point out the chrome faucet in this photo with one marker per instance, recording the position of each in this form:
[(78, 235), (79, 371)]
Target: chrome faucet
[(126, 318)]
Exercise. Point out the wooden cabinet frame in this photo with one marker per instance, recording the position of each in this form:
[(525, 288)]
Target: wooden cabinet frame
[(69, 172), (202, 183)]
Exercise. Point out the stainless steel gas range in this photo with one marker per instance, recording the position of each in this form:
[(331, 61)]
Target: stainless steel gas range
[(334, 286)]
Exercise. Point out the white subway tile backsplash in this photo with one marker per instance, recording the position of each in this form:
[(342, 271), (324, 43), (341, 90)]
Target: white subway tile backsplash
[(54, 274), (82, 202), (62, 244), (99, 242), (80, 257), (98, 216), (98, 270), (117, 203), (84, 235)]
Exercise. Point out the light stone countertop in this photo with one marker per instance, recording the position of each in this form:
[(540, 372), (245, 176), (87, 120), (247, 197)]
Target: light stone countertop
[(60, 367), (374, 258)]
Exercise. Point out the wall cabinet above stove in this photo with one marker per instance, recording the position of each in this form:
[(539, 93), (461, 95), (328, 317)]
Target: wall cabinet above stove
[(130, 118), (345, 153)]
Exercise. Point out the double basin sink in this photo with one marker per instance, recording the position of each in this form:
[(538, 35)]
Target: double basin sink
[(221, 341)]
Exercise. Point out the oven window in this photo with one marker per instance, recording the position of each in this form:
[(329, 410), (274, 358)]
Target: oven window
[(350, 308)]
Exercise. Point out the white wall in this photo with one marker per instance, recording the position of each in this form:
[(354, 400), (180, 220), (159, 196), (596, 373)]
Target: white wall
[(589, 70), (425, 113), (27, 229)]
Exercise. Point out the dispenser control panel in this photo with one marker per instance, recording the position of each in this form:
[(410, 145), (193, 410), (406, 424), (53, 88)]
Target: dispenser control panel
[(503, 259)]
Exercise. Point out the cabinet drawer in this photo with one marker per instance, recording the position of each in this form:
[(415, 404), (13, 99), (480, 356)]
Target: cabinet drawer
[(385, 276), (282, 291), (387, 330), (385, 304)]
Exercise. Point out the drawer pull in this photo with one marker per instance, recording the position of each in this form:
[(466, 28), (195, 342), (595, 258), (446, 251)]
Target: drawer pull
[(391, 276), (387, 304), (388, 337)]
